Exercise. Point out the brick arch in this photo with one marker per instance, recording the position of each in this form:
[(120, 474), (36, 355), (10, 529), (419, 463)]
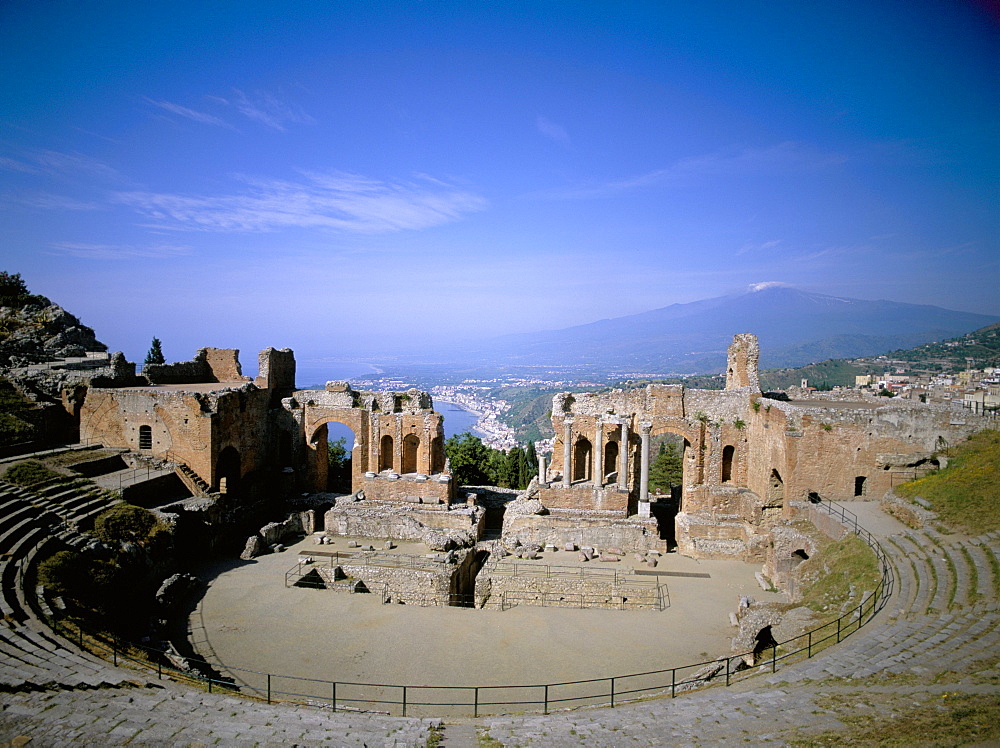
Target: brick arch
[(315, 438)]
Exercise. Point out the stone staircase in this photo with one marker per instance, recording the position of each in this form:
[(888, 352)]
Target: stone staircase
[(945, 615), (32, 657)]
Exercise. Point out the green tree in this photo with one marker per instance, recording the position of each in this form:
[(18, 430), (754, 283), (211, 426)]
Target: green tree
[(470, 460), (667, 469), (14, 292), (338, 460), (155, 355)]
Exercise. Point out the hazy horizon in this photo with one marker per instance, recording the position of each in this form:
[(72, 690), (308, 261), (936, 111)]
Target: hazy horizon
[(353, 180)]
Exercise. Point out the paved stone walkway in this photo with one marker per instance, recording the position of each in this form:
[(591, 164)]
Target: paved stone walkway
[(937, 639)]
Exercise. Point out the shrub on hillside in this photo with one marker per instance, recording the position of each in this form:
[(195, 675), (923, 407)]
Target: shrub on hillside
[(29, 473), (125, 523)]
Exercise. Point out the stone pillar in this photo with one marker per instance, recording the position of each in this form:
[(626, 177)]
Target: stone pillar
[(567, 452), (541, 466), (644, 429), (598, 462), (375, 445), (623, 458)]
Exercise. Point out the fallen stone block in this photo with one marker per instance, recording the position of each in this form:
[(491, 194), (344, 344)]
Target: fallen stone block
[(608, 557), (254, 547)]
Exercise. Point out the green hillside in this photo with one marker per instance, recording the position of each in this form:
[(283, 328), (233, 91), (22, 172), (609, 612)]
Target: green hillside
[(966, 494)]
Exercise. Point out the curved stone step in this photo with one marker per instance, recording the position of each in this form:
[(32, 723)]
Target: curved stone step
[(984, 575), (920, 573), (905, 594)]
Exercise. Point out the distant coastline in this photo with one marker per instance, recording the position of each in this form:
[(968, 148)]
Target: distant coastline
[(453, 406)]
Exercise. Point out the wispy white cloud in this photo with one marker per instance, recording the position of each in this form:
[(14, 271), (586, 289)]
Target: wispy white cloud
[(12, 164), (88, 251), (266, 109), (551, 130), (56, 163), (48, 201), (338, 201), (191, 114), (790, 156), (758, 246)]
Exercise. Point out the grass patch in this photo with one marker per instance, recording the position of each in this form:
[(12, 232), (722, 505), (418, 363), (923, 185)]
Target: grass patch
[(838, 576), (937, 720), (29, 473), (966, 493)]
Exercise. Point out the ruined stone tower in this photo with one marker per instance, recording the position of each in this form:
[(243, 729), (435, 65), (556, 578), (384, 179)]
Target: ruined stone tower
[(741, 369)]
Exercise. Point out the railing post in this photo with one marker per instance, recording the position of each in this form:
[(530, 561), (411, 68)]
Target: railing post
[(333, 696), (612, 693), (475, 710), (774, 658), (810, 645), (727, 671), (546, 698), (838, 630), (159, 669), (268, 688), (673, 682), (114, 650), (404, 701)]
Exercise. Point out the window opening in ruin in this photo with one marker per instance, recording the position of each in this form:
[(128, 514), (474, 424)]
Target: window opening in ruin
[(776, 490), (800, 554), (340, 440), (611, 461), (814, 498), (859, 485), (145, 437), (385, 453), (727, 463), (411, 445), (581, 459)]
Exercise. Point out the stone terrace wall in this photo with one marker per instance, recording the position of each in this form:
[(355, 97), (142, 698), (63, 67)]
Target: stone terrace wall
[(369, 519), (594, 530)]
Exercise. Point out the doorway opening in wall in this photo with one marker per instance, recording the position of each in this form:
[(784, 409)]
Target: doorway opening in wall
[(666, 473), (145, 437), (859, 485), (339, 445)]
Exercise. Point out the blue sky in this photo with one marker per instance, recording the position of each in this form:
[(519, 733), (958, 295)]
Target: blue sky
[(356, 178)]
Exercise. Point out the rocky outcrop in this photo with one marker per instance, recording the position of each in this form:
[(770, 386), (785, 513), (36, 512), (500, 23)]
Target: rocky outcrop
[(36, 333)]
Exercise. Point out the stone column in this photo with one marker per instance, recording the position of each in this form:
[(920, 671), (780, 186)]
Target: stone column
[(644, 429), (541, 466), (623, 458), (375, 445), (598, 464), (567, 452)]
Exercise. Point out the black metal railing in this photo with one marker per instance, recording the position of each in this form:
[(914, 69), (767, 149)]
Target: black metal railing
[(476, 700)]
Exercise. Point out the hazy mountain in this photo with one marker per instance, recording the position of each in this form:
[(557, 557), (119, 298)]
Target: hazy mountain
[(794, 327)]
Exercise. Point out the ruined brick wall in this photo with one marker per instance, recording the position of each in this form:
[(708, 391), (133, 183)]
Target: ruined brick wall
[(396, 432), (436, 491), (586, 497), (276, 369), (208, 365)]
